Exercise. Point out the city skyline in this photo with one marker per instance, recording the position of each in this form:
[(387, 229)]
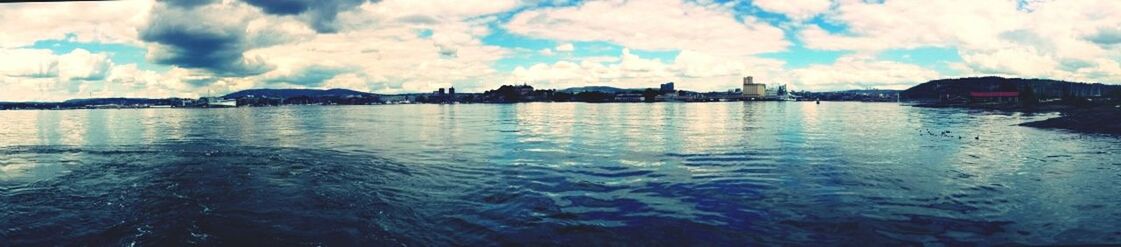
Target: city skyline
[(187, 48)]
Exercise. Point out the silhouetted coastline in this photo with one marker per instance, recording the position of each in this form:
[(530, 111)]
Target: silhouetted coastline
[(1085, 107), (503, 95), (1101, 119)]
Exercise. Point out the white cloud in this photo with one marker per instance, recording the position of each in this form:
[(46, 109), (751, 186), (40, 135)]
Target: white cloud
[(39, 74), (566, 47), (798, 10), (79, 64), (381, 46), (396, 46), (421, 13), (349, 80), (859, 71), (1051, 39), (38, 63), (653, 25), (1019, 61), (83, 65), (691, 70), (108, 22), (909, 24)]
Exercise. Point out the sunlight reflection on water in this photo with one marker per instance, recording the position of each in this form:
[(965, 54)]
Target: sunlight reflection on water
[(654, 174)]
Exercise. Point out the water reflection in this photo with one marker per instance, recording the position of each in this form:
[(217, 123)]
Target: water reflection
[(716, 173)]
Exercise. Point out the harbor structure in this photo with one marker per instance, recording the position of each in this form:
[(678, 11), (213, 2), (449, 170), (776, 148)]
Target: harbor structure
[(666, 88), (994, 97), (752, 89)]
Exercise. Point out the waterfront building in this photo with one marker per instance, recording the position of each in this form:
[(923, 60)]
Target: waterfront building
[(673, 97), (629, 97), (398, 99), (771, 92), (777, 92), (450, 98), (994, 97), (666, 87), (752, 89), (218, 102)]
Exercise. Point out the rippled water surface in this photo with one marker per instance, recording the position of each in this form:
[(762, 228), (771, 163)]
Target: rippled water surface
[(554, 174)]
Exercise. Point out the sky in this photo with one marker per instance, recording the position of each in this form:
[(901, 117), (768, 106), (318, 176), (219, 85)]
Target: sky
[(192, 48)]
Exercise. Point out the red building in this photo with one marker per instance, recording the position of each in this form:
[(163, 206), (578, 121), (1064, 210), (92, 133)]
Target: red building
[(979, 97)]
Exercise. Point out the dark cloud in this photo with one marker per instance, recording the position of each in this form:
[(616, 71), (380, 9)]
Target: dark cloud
[(310, 76), (201, 81), (321, 13), (446, 52), (214, 45), (1074, 64), (283, 7), (1107, 36)]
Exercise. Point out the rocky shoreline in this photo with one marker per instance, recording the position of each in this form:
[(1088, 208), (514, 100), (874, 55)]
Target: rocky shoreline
[(1101, 119)]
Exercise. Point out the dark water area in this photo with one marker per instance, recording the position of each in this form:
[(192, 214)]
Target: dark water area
[(707, 174)]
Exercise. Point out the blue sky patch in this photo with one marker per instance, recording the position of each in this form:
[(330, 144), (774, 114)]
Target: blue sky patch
[(118, 53)]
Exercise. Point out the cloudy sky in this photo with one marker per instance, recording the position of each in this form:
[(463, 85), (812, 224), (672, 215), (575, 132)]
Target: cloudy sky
[(187, 48)]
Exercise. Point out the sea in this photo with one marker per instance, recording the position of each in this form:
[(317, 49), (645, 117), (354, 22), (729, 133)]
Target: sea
[(554, 174)]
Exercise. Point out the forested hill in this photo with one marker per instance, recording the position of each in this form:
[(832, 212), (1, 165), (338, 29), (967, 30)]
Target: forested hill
[(1043, 88)]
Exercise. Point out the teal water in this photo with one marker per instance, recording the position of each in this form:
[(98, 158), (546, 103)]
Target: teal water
[(756, 173)]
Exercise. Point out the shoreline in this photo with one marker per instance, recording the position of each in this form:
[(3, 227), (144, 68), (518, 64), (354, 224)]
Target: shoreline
[(1101, 120), (472, 103), (1096, 119)]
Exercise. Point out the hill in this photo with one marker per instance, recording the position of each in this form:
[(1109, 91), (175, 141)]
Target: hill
[(601, 89), (289, 93), (1042, 88)]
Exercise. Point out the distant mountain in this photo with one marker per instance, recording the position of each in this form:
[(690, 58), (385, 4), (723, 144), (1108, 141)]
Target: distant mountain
[(1043, 88), (289, 93), (601, 89)]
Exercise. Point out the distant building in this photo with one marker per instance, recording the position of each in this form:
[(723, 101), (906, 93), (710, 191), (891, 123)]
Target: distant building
[(398, 99), (629, 97), (777, 91), (524, 89), (996, 97), (666, 87), (451, 95), (753, 90), (675, 98), (218, 102)]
